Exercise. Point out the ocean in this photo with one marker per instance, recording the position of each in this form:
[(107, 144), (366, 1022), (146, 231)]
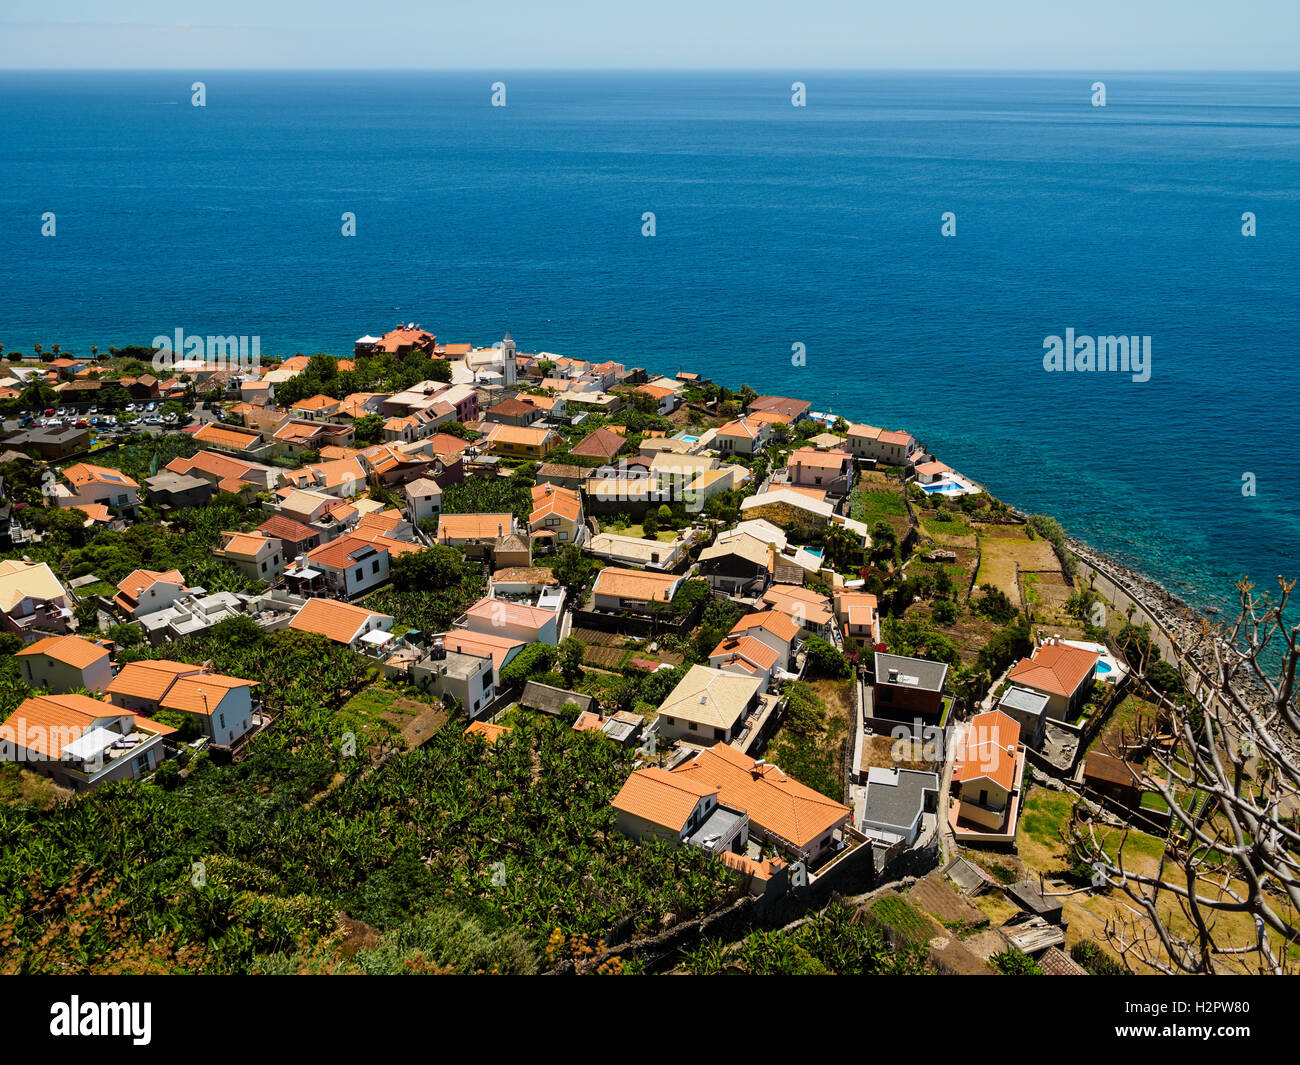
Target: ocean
[(775, 226)]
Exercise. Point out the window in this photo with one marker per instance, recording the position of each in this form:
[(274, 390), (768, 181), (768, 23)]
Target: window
[(374, 566), (263, 567), (361, 572), (693, 726), (222, 719)]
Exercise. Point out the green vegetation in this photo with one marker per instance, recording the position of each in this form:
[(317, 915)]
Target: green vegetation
[(837, 941), (371, 373), (824, 659), (870, 506), (807, 745), (1012, 962), (407, 848), (896, 913), (429, 589)]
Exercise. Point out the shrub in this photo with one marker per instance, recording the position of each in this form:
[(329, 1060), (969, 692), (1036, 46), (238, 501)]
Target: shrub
[(944, 612), (825, 660), (1012, 962)]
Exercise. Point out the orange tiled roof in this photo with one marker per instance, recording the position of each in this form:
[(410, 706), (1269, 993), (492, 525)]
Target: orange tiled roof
[(482, 644), (791, 408), (822, 460), (474, 526), (749, 648), (794, 599), (774, 621), (283, 528), (83, 473), (95, 511), (244, 545), (201, 694), (149, 679), (341, 553), (320, 401), (550, 499), (601, 443), (227, 435), (490, 732), (70, 650), (989, 750), (660, 797), (135, 583), (1055, 667), (327, 617), (48, 723), (774, 801), (635, 584)]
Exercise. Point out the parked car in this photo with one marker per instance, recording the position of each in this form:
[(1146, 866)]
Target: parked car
[(131, 407), (152, 407)]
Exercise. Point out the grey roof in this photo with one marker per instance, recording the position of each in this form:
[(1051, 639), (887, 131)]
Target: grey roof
[(170, 481), (1024, 700), (1028, 895), (912, 672), (453, 664), (549, 700), (720, 823), (895, 798)]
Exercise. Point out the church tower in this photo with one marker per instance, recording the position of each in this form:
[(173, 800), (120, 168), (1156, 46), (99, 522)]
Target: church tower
[(508, 372)]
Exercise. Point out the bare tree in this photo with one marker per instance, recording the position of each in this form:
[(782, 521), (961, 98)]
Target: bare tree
[(1223, 756)]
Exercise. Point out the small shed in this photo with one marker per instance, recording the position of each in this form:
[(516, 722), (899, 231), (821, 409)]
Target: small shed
[(549, 700), (1027, 895)]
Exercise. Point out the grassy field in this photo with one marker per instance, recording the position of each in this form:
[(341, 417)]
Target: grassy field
[(876, 498), (999, 556), (22, 787), (1042, 851), (1123, 724), (379, 712), (950, 528), (663, 535), (810, 751)]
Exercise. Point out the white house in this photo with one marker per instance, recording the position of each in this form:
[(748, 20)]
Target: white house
[(64, 663), (423, 499)]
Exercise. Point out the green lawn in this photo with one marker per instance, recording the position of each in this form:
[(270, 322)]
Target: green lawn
[(900, 915), (869, 506), (363, 714), (663, 535)]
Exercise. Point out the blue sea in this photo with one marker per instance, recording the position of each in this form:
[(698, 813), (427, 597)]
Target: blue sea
[(775, 226)]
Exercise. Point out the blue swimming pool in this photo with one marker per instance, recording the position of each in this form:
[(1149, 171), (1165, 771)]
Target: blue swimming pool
[(1102, 669)]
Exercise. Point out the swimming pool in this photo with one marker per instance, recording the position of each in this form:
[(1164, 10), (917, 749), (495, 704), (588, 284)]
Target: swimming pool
[(942, 486), (1102, 669)]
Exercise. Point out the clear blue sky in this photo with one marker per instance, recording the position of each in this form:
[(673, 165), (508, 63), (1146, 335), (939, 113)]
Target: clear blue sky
[(790, 35)]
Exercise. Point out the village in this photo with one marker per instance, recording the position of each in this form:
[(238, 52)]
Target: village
[(818, 659)]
